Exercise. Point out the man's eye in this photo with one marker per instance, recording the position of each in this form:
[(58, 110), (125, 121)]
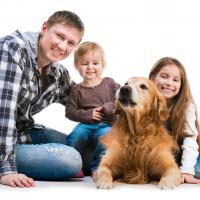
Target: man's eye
[(60, 36), (71, 43)]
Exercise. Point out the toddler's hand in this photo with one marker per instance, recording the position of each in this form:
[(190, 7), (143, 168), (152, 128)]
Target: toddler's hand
[(97, 114)]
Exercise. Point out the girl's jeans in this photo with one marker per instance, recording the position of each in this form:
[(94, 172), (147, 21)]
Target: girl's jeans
[(85, 139), (47, 158), (197, 168)]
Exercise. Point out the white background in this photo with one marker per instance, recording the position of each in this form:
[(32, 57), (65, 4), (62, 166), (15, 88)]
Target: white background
[(133, 33)]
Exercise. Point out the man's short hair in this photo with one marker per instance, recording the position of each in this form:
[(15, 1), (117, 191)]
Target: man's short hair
[(66, 17)]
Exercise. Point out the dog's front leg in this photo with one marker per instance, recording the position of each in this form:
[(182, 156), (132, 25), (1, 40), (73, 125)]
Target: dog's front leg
[(170, 179), (104, 178)]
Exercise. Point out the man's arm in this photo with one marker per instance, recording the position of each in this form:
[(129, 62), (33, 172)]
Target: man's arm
[(10, 78), (65, 85)]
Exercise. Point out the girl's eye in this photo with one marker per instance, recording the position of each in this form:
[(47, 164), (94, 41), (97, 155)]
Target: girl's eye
[(163, 76), (96, 63)]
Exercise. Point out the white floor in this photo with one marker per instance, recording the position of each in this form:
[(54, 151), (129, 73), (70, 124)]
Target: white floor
[(85, 189)]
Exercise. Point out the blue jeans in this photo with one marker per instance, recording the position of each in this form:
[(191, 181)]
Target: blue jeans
[(48, 158), (85, 139), (197, 168)]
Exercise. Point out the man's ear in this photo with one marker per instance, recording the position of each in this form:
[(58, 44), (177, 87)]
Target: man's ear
[(44, 28)]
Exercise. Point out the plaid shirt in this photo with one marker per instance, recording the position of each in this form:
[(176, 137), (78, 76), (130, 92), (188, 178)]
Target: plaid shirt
[(21, 94)]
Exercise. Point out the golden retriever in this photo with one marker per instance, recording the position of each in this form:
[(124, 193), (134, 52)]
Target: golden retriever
[(138, 148)]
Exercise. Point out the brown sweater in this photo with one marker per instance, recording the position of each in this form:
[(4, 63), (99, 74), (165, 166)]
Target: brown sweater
[(83, 100)]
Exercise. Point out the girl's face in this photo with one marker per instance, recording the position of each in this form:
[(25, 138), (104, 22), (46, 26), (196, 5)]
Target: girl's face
[(90, 65), (168, 81)]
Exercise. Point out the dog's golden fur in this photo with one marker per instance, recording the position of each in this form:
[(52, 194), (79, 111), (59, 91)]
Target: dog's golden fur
[(138, 148)]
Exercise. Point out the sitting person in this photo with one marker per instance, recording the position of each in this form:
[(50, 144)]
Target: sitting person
[(169, 76), (32, 79), (92, 104)]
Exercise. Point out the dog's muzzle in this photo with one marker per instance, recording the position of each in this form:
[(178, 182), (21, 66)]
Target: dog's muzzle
[(125, 96)]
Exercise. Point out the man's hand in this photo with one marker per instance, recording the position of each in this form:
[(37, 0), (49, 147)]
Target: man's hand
[(17, 180), (189, 178)]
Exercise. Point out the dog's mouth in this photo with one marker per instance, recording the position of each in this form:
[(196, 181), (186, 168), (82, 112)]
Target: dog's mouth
[(127, 102), (125, 96)]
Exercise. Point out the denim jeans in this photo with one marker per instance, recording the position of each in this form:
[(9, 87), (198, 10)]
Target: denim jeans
[(48, 157), (85, 139), (197, 168)]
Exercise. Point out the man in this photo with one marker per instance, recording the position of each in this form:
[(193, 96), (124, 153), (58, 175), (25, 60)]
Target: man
[(30, 80)]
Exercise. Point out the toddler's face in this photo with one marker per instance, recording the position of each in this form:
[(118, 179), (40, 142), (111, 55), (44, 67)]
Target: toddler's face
[(90, 65), (168, 81)]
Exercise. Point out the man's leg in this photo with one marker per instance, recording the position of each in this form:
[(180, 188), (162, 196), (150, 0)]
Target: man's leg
[(51, 161), (46, 135), (47, 158)]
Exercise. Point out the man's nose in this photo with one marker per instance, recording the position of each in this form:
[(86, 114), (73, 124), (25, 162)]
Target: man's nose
[(63, 46)]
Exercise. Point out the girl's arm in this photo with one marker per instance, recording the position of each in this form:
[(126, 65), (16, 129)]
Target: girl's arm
[(190, 148)]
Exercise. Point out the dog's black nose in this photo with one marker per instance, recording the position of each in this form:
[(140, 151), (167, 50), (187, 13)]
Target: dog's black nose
[(125, 91)]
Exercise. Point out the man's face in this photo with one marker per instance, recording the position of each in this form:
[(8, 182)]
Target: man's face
[(57, 42)]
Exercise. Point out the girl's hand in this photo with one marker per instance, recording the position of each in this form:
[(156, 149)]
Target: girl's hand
[(17, 180), (189, 178), (97, 114)]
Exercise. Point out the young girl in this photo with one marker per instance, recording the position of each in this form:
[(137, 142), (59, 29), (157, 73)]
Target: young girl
[(170, 78), (92, 104)]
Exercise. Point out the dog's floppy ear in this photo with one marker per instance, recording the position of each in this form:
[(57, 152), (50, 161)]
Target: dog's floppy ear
[(161, 106), (131, 122), (118, 108), (129, 116)]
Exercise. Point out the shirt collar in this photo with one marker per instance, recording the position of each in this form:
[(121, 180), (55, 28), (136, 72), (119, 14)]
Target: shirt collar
[(31, 39)]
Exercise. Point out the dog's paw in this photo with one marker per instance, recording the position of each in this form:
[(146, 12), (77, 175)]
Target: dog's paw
[(168, 183), (102, 184)]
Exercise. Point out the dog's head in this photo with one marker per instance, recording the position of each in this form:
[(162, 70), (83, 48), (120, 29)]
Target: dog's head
[(140, 96)]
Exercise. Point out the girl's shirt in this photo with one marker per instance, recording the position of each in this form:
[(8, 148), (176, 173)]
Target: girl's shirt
[(190, 146), (83, 100)]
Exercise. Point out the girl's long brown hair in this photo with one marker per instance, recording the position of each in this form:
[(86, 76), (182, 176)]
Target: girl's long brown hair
[(177, 118)]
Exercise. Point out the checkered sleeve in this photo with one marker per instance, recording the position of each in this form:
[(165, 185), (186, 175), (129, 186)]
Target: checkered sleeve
[(10, 78), (65, 84)]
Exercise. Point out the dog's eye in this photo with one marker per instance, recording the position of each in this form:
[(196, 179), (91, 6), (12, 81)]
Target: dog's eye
[(126, 83), (144, 87)]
